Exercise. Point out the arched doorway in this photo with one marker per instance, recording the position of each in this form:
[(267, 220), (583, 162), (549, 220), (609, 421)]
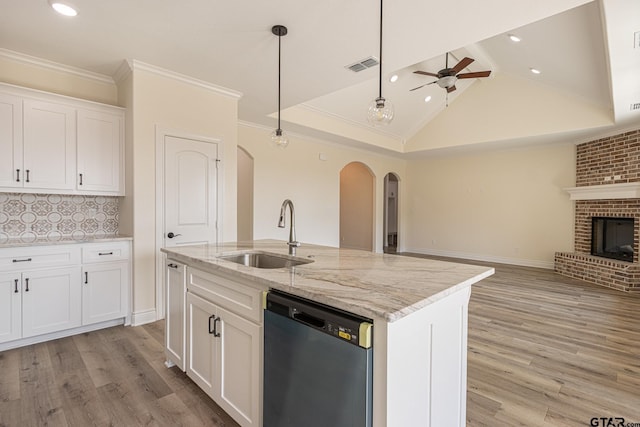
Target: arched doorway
[(356, 207), (245, 196), (390, 223)]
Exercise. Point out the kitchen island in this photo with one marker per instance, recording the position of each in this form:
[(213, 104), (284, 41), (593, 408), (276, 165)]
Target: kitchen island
[(418, 307)]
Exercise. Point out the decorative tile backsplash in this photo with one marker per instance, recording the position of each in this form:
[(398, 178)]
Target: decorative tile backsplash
[(29, 217)]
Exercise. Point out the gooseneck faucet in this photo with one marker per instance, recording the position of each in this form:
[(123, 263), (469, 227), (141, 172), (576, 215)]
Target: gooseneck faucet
[(293, 244)]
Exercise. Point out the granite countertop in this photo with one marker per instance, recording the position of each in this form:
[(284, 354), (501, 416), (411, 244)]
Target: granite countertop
[(372, 285), (62, 240)]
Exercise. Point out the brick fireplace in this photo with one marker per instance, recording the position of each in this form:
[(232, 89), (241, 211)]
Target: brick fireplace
[(607, 185)]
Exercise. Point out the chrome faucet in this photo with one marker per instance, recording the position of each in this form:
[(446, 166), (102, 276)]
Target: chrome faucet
[(293, 244)]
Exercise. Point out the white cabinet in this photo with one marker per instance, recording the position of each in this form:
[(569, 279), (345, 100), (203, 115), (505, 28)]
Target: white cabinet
[(50, 301), (175, 326), (105, 281), (10, 306), (100, 151), (61, 145), (49, 138), (224, 348), (10, 140), (52, 291)]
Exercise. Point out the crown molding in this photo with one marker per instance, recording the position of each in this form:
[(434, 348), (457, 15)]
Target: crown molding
[(54, 66), (141, 66)]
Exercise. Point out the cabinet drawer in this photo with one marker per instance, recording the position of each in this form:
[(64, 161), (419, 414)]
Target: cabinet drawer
[(105, 252), (234, 296), (28, 258)]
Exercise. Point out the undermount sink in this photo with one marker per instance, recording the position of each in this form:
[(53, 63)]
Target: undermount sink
[(265, 260)]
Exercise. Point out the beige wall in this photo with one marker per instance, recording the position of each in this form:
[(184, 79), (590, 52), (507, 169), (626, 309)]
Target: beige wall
[(163, 102), (245, 195), (312, 184), (356, 206), (502, 205)]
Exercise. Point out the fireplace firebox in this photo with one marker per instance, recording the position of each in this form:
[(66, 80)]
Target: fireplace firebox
[(612, 238)]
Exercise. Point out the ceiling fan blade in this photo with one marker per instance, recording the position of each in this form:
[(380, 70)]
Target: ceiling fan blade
[(451, 89), (421, 86), (462, 64), (424, 73), (474, 75)]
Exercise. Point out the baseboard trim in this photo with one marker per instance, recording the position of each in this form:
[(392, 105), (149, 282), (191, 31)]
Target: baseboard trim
[(484, 258), (142, 317)]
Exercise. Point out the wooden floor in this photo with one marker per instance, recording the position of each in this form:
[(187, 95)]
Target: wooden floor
[(543, 351)]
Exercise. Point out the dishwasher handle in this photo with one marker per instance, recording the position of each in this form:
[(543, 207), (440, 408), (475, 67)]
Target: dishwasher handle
[(308, 319)]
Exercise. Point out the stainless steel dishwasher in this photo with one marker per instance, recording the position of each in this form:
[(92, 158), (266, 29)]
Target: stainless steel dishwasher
[(318, 365)]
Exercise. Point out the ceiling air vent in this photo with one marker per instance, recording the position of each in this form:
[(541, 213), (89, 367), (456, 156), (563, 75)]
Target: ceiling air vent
[(363, 64), (635, 106)]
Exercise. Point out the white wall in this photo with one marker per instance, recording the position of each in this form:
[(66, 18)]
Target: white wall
[(245, 195), (502, 205), (312, 184)]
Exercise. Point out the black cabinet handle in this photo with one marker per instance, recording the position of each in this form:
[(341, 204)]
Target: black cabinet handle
[(104, 253), (215, 327), (86, 277), (27, 171), (23, 260), (212, 317), (16, 286), (80, 179), (172, 265), (17, 175), (26, 281)]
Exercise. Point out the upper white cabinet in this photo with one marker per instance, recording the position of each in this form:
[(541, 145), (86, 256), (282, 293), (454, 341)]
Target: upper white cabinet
[(60, 145), (49, 146), (100, 151)]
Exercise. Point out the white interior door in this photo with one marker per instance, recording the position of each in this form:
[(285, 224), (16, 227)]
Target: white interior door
[(190, 191)]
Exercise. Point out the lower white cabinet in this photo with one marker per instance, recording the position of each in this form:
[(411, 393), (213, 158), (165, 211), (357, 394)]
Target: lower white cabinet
[(223, 357), (52, 291), (104, 291), (175, 326)]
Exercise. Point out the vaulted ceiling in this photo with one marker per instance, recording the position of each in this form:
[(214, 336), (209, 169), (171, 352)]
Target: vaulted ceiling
[(584, 50)]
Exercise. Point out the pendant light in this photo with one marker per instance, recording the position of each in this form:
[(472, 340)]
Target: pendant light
[(380, 110), (278, 137)]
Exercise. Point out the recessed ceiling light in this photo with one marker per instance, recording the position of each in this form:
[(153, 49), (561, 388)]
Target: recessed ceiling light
[(393, 78), (514, 38), (534, 70), (63, 8), (428, 98)]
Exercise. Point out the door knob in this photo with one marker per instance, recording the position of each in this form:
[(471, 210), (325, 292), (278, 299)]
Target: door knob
[(171, 235)]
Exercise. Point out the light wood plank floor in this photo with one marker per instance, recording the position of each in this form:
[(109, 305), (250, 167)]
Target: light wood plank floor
[(543, 351)]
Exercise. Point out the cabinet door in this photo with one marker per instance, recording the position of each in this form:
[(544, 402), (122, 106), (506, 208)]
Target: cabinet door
[(49, 145), (10, 307), (50, 301), (100, 138), (175, 313), (200, 343), (238, 368), (10, 141), (104, 288)]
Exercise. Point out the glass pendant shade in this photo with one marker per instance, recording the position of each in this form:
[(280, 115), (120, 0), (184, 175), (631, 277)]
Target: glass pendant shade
[(380, 112), (279, 139)]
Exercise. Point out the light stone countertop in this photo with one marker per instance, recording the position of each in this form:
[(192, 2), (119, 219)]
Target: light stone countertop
[(372, 285), (62, 240)]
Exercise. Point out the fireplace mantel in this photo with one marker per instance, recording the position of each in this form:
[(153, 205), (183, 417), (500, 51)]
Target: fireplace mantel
[(630, 190)]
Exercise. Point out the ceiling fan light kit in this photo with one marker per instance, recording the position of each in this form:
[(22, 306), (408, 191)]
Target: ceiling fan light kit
[(278, 137), (447, 77), (380, 110)]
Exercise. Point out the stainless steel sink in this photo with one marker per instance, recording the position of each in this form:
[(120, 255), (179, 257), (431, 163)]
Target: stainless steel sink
[(265, 260)]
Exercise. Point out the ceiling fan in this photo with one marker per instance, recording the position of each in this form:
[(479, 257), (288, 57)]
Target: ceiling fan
[(447, 77)]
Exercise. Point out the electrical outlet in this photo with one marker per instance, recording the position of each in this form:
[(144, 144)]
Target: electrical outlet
[(616, 177), (607, 178)]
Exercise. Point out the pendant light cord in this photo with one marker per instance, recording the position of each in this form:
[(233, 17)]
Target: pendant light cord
[(380, 70), (279, 61)]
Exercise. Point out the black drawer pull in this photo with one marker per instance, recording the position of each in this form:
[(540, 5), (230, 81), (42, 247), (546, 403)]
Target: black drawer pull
[(215, 327), (16, 286), (23, 260), (17, 175), (26, 281), (104, 253), (212, 330), (80, 179), (172, 265), (27, 175), (86, 277)]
